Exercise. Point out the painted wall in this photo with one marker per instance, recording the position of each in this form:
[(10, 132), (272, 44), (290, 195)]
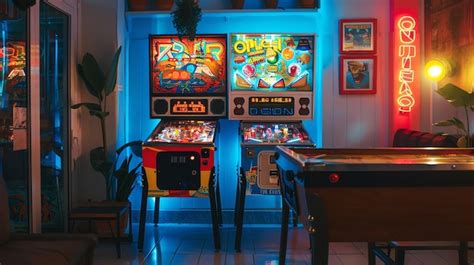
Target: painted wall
[(98, 36), (340, 121)]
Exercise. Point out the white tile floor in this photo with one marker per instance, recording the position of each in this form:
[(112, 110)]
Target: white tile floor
[(193, 245)]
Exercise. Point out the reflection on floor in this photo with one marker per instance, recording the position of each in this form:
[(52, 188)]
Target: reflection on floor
[(192, 245)]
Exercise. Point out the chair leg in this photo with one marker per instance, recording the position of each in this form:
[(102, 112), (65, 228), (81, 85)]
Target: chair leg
[(117, 238), (130, 230)]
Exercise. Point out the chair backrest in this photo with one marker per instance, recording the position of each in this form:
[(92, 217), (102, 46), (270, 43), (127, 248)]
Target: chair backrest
[(4, 217)]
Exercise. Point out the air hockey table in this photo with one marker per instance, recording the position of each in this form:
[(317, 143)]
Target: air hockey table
[(369, 195)]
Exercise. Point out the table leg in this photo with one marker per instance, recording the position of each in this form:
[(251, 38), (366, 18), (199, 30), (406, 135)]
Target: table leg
[(285, 216), (240, 211), (156, 212), (463, 250), (141, 227), (318, 229)]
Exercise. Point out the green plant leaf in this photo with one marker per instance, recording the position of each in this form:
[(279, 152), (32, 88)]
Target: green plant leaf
[(90, 88), (99, 114), (111, 78), (135, 146), (99, 161), (455, 95), (94, 109), (93, 73), (451, 122)]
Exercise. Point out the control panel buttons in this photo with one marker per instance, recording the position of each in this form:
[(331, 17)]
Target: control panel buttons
[(334, 178)]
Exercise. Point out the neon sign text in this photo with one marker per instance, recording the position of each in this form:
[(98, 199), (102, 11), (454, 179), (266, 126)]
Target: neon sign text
[(406, 53)]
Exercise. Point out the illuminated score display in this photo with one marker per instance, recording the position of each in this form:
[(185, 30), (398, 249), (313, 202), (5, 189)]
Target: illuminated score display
[(179, 106), (271, 106), (407, 54)]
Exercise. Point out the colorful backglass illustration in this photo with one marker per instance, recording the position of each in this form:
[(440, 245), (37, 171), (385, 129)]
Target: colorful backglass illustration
[(272, 62), (188, 67)]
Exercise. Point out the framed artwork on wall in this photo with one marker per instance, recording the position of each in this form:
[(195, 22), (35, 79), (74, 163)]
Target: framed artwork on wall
[(358, 35), (358, 74)]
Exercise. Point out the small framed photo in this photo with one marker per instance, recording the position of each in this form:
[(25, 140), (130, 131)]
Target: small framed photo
[(358, 36), (358, 74)]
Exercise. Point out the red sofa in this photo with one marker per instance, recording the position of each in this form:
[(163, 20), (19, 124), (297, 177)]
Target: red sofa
[(411, 138)]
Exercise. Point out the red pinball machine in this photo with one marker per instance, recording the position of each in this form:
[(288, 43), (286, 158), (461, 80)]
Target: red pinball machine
[(188, 93)]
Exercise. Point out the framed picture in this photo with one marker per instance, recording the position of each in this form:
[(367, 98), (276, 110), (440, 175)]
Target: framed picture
[(358, 74), (358, 36)]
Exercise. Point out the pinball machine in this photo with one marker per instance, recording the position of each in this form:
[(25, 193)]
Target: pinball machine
[(270, 92), (188, 93)]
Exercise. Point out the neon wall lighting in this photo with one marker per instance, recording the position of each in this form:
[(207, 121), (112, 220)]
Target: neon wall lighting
[(405, 64)]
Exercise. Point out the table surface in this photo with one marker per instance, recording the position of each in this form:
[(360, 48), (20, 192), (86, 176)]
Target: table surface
[(311, 158)]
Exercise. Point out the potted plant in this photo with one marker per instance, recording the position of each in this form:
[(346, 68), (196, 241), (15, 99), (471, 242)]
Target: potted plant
[(99, 85), (459, 98), (186, 18)]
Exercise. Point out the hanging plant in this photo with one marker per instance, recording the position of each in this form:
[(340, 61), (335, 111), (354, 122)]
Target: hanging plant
[(186, 18)]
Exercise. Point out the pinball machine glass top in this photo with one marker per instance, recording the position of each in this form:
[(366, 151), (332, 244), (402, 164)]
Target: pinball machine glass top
[(274, 133), (185, 67), (185, 131), (272, 62)]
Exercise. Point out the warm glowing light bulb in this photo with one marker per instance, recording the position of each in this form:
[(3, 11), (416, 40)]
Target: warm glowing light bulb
[(436, 70)]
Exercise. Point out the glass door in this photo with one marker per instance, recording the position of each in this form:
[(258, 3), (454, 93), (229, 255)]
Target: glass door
[(54, 116), (14, 109)]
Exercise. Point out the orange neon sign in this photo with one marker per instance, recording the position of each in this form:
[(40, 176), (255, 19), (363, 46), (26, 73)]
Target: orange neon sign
[(407, 55)]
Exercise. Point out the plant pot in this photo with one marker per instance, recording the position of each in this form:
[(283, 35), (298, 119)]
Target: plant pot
[(237, 4), (271, 3), (162, 4), (138, 5), (308, 3)]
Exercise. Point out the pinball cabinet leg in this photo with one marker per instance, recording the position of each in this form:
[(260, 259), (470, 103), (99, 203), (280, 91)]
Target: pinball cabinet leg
[(214, 217), (237, 198), (239, 213), (156, 212), (218, 203), (141, 227), (318, 229)]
